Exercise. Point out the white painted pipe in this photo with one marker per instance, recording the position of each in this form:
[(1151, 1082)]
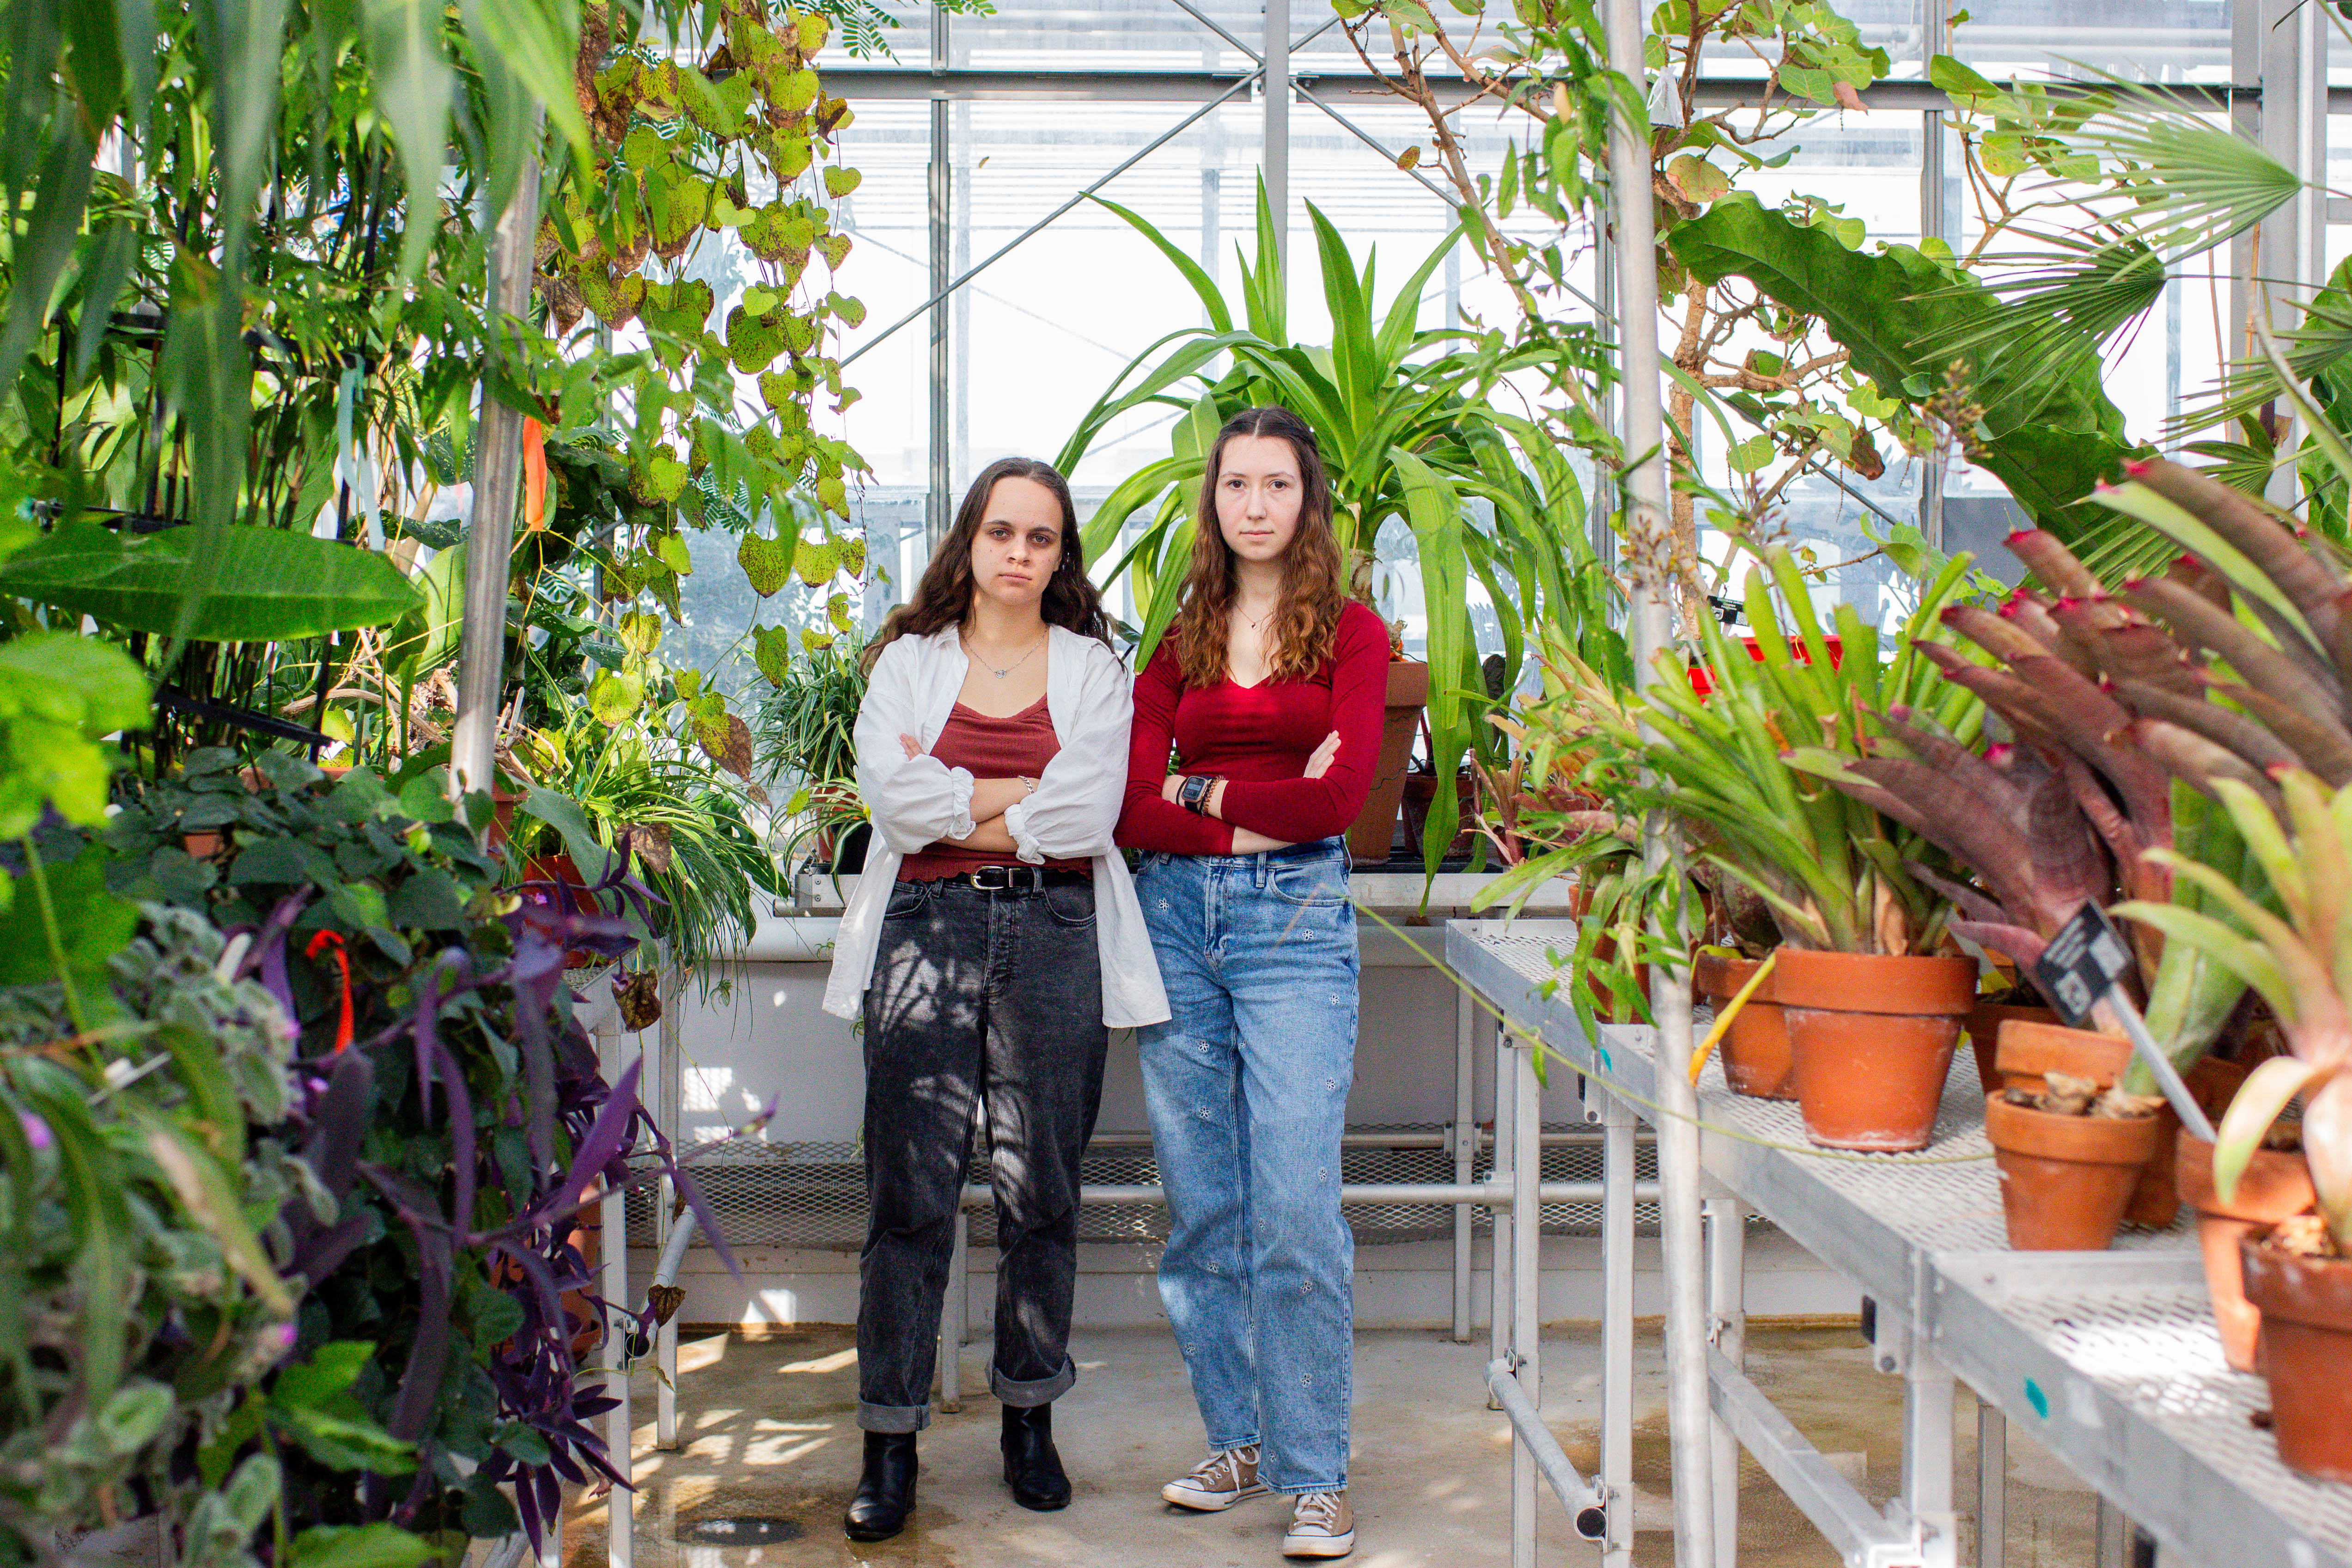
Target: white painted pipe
[(1578, 1495)]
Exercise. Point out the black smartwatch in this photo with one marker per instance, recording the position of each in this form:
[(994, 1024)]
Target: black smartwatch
[(1193, 794)]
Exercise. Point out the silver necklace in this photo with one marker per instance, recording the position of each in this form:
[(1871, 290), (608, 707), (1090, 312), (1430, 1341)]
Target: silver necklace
[(1000, 674)]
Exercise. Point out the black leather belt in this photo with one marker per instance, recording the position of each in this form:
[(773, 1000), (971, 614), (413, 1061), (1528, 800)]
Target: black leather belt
[(1019, 878)]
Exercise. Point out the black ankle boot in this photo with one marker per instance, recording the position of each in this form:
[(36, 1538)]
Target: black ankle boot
[(885, 1490), (1031, 1469)]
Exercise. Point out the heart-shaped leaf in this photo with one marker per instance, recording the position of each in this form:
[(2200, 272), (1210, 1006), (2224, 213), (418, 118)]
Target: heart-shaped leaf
[(766, 563), (772, 650)]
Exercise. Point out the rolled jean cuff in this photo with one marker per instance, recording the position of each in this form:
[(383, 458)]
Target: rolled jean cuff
[(893, 1417), (1339, 1486), (1026, 1395)]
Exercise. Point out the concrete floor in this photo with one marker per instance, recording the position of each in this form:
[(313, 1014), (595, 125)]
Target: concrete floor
[(771, 1435)]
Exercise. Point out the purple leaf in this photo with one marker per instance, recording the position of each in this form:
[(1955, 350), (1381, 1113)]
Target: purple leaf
[(605, 1142), (691, 1191)]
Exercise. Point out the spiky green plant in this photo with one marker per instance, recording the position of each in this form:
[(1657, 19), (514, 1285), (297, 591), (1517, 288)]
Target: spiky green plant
[(1837, 874)]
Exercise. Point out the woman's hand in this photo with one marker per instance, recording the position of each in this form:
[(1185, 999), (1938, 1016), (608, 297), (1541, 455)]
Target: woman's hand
[(1325, 754), (1245, 842), (907, 745), (1170, 785)]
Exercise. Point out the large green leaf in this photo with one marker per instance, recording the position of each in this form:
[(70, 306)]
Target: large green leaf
[(2049, 443), (275, 586)]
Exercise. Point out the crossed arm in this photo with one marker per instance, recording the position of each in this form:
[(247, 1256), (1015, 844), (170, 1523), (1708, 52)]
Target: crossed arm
[(1245, 840), (989, 798)]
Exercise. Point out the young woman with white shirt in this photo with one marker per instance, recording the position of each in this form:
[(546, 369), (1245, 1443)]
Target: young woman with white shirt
[(993, 941)]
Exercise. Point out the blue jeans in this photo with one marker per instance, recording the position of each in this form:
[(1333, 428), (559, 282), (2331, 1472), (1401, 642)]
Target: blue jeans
[(1247, 1086)]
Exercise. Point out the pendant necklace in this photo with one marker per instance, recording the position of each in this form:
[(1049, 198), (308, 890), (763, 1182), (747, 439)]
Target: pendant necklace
[(1009, 668)]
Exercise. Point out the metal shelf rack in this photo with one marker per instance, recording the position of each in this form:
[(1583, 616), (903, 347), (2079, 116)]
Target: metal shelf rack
[(2109, 1357)]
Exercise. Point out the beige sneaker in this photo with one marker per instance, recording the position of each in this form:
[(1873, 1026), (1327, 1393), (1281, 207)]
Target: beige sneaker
[(1223, 1480), (1321, 1525)]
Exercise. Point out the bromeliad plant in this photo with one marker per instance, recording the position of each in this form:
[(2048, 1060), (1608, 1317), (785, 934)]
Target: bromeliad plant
[(1836, 875), (2107, 761), (2299, 957)]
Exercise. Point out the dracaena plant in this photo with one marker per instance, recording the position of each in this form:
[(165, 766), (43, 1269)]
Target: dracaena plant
[(1837, 874), (1415, 426), (2299, 959)]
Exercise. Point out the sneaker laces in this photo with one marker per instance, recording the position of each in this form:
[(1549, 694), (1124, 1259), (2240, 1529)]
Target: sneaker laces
[(1221, 1471), (1318, 1511)]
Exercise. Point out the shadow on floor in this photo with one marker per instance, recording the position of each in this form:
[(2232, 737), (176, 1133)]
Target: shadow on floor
[(771, 1455)]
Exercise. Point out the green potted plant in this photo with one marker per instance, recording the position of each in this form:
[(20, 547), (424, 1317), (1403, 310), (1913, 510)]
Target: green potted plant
[(1406, 425), (2299, 1276), (620, 782), (806, 743), (1872, 1003)]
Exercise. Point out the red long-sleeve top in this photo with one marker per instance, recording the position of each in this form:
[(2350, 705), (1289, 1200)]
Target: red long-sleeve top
[(1258, 740)]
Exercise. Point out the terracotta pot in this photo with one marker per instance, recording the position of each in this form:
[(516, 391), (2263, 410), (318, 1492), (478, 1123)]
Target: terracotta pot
[(1604, 1001), (1374, 830), (2029, 1050), (560, 868), (1420, 797), (2306, 1307), (1604, 951), (2065, 1180), (1983, 1027), (2155, 1202), (2273, 1187), (1755, 1057), (1873, 1038)]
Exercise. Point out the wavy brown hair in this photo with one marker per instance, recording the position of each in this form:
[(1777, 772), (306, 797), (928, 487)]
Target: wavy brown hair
[(943, 598), (1306, 620)]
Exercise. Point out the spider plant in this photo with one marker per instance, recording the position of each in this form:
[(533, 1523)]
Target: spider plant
[(806, 733), (601, 789)]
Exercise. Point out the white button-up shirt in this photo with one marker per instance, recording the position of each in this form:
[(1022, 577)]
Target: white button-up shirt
[(1089, 696)]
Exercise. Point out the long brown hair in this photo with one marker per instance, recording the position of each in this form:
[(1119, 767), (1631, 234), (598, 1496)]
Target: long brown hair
[(1306, 619), (943, 598)]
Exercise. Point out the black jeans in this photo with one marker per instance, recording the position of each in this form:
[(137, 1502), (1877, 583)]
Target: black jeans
[(993, 997)]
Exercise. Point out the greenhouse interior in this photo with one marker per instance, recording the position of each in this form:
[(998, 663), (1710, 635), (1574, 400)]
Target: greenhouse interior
[(724, 730)]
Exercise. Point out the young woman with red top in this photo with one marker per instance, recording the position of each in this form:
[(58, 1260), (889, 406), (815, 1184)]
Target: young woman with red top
[(1269, 689), (993, 941)]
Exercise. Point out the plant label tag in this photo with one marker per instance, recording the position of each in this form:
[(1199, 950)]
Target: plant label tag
[(2081, 963)]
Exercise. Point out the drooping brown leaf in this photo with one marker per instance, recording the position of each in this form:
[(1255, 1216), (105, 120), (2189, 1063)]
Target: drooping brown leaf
[(734, 752), (639, 995), (649, 842)]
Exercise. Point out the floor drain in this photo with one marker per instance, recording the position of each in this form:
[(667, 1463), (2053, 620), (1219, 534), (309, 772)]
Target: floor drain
[(743, 1529)]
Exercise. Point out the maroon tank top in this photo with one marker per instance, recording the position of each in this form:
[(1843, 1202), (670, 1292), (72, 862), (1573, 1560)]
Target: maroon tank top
[(1015, 747)]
